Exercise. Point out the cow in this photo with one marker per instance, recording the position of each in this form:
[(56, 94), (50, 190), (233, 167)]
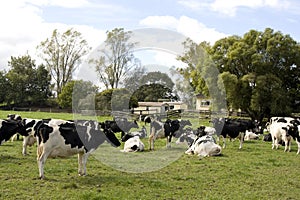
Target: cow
[(204, 146), (68, 139), (278, 131), (234, 128), (133, 144), (182, 124), (188, 136), (32, 126), (141, 134), (8, 128), (167, 130), (267, 137), (14, 117), (284, 131), (249, 135), (119, 125)]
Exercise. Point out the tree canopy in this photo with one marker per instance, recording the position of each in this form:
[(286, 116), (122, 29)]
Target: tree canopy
[(62, 54), (116, 59), (260, 71), (28, 84)]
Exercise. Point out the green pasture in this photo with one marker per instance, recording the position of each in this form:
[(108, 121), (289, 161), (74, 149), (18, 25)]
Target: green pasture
[(255, 172)]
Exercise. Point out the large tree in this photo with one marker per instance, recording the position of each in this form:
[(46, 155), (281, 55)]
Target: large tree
[(4, 87), (202, 73), (259, 71), (116, 59), (154, 86), (62, 54), (265, 66), (77, 94), (29, 85)]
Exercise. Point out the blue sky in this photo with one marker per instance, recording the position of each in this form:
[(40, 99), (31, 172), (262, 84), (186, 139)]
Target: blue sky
[(25, 23)]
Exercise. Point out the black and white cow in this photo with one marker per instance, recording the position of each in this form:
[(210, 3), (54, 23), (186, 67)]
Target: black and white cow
[(32, 127), (249, 135), (204, 146), (8, 128), (141, 134), (166, 130), (234, 128), (133, 144), (69, 139), (17, 118), (119, 125), (188, 136), (284, 130)]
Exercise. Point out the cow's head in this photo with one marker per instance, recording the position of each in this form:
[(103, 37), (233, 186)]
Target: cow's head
[(111, 137), (292, 130)]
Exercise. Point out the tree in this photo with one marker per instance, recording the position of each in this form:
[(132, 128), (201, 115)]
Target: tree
[(133, 80), (116, 59), (4, 87), (154, 86), (62, 54), (266, 66), (77, 94), (202, 73), (29, 85), (117, 99)]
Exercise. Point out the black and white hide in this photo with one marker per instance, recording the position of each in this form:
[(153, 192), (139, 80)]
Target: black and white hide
[(232, 128), (141, 134), (249, 135), (133, 144), (32, 126), (8, 128), (188, 136), (204, 146), (16, 118), (119, 125), (163, 130), (68, 139)]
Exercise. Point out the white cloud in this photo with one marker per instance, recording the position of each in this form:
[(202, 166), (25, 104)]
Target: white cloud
[(230, 7), (23, 28), (187, 26), (167, 22)]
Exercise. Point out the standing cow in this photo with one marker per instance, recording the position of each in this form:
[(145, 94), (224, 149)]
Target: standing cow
[(68, 139)]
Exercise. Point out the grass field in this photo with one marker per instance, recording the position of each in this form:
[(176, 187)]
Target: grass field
[(255, 172)]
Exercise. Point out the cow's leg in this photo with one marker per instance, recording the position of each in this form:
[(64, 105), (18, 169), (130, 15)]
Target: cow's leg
[(82, 160), (169, 139), (242, 134), (224, 142), (151, 142), (80, 164), (24, 148), (287, 145), (298, 143), (41, 159)]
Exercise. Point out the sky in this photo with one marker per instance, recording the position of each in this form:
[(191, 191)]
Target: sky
[(26, 23)]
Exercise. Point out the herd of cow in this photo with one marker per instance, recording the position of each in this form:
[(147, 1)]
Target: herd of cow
[(62, 138)]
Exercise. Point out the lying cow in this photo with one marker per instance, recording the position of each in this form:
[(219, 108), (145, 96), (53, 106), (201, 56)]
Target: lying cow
[(68, 139), (133, 144), (249, 135), (205, 146), (141, 134)]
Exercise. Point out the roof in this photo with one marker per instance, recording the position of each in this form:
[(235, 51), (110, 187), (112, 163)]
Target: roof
[(159, 104)]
